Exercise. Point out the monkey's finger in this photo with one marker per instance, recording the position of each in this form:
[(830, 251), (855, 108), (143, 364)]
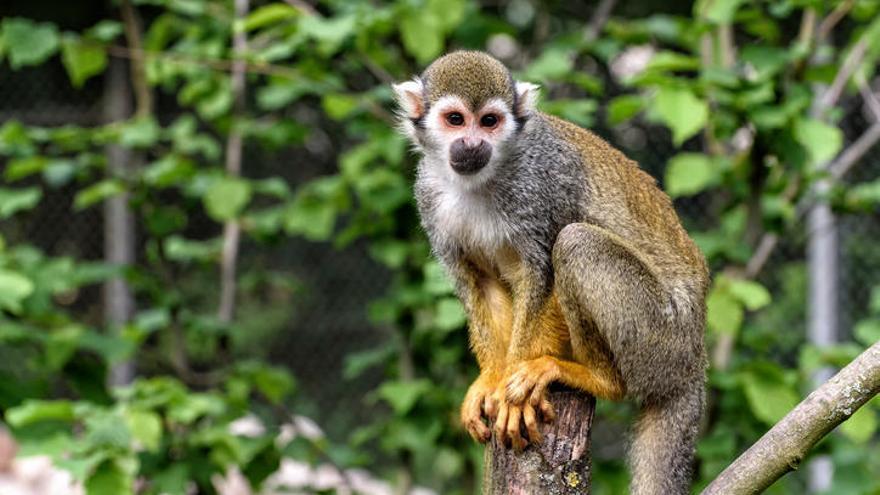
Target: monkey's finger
[(478, 430), (501, 423), (490, 407), (472, 420), (513, 428), (539, 390), (531, 421), (547, 411)]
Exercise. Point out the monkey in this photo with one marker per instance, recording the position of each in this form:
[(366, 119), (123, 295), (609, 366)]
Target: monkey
[(571, 263)]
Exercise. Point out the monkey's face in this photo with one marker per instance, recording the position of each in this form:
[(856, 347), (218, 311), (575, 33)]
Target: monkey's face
[(468, 139), (464, 116)]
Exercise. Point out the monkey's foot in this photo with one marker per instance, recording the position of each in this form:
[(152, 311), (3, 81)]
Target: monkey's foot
[(479, 402), (513, 417), (527, 381)]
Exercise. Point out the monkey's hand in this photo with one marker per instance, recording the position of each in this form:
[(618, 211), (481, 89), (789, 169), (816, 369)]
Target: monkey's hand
[(527, 381), (479, 402)]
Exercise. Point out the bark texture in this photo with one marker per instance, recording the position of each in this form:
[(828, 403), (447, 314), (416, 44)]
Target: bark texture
[(559, 465), (782, 448)]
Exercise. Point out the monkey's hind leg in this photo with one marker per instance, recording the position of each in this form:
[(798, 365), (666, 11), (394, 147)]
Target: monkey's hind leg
[(608, 289)]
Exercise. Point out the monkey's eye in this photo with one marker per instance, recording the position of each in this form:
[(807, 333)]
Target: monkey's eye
[(455, 119), (489, 120)]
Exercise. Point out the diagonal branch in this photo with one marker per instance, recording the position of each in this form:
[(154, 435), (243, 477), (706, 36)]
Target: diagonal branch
[(783, 448)]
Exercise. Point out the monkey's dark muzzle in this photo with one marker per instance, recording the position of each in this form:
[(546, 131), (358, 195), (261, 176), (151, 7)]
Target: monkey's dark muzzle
[(468, 160)]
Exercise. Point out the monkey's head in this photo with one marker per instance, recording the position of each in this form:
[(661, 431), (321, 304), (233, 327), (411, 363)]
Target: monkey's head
[(463, 112)]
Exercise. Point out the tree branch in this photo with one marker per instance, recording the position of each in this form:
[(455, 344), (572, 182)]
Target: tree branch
[(783, 448), (560, 464), (143, 95), (832, 95), (234, 145), (599, 19), (833, 18)]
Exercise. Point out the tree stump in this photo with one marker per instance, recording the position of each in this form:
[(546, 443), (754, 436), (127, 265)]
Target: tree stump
[(559, 465)]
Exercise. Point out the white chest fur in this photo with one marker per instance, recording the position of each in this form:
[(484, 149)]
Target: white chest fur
[(465, 215)]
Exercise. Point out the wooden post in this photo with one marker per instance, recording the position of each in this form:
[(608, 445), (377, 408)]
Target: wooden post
[(559, 465)]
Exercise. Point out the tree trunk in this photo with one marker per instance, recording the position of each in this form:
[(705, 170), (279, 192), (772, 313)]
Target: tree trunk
[(559, 465)]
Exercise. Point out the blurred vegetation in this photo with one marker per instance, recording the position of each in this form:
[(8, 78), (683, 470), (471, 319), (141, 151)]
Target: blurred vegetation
[(731, 85)]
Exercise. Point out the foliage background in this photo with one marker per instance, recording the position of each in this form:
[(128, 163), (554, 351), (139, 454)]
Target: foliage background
[(341, 315)]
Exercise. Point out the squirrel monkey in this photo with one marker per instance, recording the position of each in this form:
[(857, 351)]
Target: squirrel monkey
[(572, 265)]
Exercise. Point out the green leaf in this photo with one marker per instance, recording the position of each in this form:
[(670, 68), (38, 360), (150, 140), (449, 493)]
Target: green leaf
[(402, 395), (752, 294), (22, 167), (82, 60), (139, 133), (145, 427), (437, 282), (100, 191), (35, 411), (179, 249), (579, 111), (339, 106), (422, 36), (272, 13), (169, 170), (330, 33), (724, 312), (624, 107), (688, 174), (226, 197), (449, 314), (358, 362), (14, 289), (821, 140), (110, 479), (61, 344), (769, 397), (105, 30), (449, 13), (15, 200), (861, 426), (765, 60), (551, 65), (718, 11), (867, 332), (26, 42), (681, 111)]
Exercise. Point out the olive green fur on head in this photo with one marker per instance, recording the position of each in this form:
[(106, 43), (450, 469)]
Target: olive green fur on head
[(474, 76)]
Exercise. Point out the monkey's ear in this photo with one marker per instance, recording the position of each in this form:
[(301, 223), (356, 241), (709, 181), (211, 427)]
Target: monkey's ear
[(409, 98), (526, 99)]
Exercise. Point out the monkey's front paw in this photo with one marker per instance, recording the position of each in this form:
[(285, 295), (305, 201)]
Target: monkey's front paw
[(528, 380), (479, 402), (513, 419)]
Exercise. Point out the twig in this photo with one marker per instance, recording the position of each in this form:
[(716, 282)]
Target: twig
[(830, 97), (143, 95), (832, 19), (854, 152), (870, 98), (213, 63), (303, 7), (783, 448), (599, 19), (229, 65), (234, 145), (808, 26)]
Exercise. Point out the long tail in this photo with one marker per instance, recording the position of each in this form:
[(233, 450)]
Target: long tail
[(663, 448)]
